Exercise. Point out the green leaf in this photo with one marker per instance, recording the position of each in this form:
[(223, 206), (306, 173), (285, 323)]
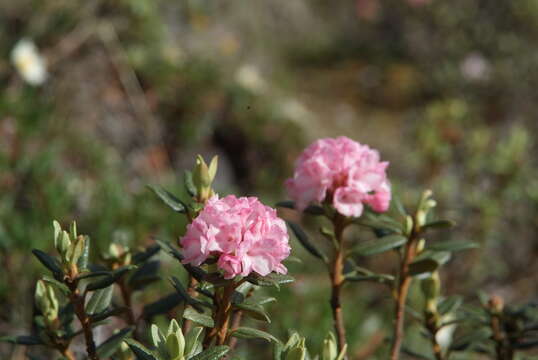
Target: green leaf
[(100, 300), (169, 199), (202, 319), (438, 224), (467, 340), (60, 286), (377, 246), (305, 241), (141, 353), (250, 333), (191, 341), (214, 353), (380, 278), (311, 209), (272, 279), (189, 184), (92, 274), (449, 304), (378, 223), (85, 256), (162, 305), (254, 311), (22, 340), (146, 254), (108, 313), (144, 275), (185, 295), (48, 261), (428, 262), (453, 246), (108, 280), (109, 347)]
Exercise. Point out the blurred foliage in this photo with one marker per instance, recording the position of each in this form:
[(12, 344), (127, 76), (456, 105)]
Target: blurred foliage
[(445, 90)]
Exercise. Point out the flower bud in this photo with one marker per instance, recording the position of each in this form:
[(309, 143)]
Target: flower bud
[(175, 341), (203, 177), (297, 352), (330, 351), (46, 301)]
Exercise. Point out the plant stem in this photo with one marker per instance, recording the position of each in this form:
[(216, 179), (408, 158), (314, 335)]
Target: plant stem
[(68, 354), (192, 292), (502, 345), (221, 316), (401, 297), (78, 303), (337, 280)]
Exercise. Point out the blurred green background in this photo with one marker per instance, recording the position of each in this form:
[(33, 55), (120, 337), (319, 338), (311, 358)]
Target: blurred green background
[(446, 90)]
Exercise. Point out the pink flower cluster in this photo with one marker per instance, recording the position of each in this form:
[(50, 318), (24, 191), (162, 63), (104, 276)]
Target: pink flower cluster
[(243, 233), (343, 172)]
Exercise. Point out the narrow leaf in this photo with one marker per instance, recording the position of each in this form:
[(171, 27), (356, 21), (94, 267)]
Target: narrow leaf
[(214, 353), (48, 261), (305, 241), (100, 300), (453, 246), (162, 305), (377, 246), (141, 353), (109, 280), (146, 254), (202, 319), (254, 311), (250, 333), (169, 199), (109, 347)]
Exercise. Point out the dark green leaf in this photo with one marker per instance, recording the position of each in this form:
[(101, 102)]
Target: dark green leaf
[(139, 350), (376, 223), (109, 347), (438, 224), (144, 275), (453, 246), (185, 295), (199, 318), (428, 262), (22, 340), (108, 313), (145, 255), (170, 250), (303, 239), (162, 305), (169, 199), (50, 263), (380, 278), (466, 340), (94, 274), (250, 333), (213, 353), (108, 280), (377, 246), (189, 184)]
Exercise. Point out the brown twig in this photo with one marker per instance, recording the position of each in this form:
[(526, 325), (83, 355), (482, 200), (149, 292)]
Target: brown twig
[(502, 346), (192, 292), (221, 315), (401, 296), (337, 280), (78, 303)]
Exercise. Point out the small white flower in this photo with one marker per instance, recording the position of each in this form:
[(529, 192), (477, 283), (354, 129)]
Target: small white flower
[(249, 77), (295, 110), (444, 336), (475, 67), (29, 63)]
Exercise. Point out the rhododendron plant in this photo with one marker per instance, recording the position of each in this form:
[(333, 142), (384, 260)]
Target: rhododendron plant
[(341, 172), (232, 246), (242, 233)]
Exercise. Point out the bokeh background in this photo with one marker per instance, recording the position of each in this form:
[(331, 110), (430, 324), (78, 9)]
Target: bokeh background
[(446, 90)]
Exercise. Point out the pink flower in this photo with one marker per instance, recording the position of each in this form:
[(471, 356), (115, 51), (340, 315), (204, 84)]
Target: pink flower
[(342, 172), (242, 233)]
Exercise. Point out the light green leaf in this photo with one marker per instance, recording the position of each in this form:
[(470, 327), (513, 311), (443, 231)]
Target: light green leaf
[(250, 333), (453, 246), (100, 300), (202, 319), (214, 353)]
